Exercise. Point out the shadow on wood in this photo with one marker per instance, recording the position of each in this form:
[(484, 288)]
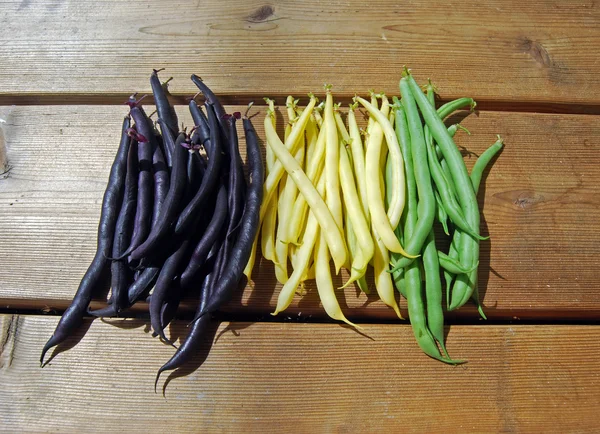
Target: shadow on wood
[(199, 358), (71, 341)]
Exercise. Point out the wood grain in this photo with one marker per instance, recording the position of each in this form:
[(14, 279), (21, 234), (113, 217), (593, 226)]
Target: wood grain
[(540, 208), (516, 51), (303, 377)]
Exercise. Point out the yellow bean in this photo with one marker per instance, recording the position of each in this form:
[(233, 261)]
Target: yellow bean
[(371, 121), (357, 218), (325, 285), (304, 253), (281, 249), (251, 260), (398, 181), (379, 218), (287, 198), (332, 158), (267, 232), (333, 233), (318, 116), (341, 127), (314, 169), (311, 273), (358, 160), (312, 135), (290, 194), (383, 279), (291, 145)]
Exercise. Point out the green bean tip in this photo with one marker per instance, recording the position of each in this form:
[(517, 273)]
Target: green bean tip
[(460, 127), (431, 86)]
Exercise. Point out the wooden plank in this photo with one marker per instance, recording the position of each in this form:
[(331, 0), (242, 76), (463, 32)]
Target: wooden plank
[(540, 207), (303, 377), (533, 50)]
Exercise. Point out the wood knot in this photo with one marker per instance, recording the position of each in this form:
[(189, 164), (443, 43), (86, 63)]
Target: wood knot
[(537, 52), (261, 14), (522, 199)]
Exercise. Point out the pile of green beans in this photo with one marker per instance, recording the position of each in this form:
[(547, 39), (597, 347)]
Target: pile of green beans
[(438, 187)]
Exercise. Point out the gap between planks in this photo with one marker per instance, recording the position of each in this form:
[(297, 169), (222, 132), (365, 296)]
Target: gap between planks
[(467, 315), (24, 99)]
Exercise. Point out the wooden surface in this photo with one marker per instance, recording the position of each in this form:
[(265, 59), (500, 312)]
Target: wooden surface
[(540, 208), (501, 51), (304, 378), (67, 66)]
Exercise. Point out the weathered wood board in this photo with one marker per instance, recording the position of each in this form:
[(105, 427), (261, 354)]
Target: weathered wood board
[(303, 377), (540, 208), (537, 51)]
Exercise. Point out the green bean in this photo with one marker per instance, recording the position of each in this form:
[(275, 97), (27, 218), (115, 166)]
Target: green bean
[(452, 254), (475, 177), (476, 174), (416, 313), (452, 129), (449, 277), (399, 281), (448, 175), (447, 197), (445, 169), (482, 162), (452, 265), (469, 247), (452, 106), (451, 206), (433, 291), (411, 275), (426, 206), (410, 211), (475, 298), (442, 215)]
